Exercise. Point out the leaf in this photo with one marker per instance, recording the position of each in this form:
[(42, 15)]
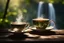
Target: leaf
[(63, 2), (14, 13), (24, 10), (6, 20), (0, 20)]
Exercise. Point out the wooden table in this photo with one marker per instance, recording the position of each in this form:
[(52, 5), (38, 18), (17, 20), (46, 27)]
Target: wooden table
[(53, 35)]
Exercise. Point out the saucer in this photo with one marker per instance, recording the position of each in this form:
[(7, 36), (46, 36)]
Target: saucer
[(41, 29)]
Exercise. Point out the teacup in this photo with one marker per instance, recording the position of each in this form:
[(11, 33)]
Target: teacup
[(41, 23), (18, 27)]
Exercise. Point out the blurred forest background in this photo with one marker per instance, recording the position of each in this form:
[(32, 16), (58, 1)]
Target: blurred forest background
[(29, 10)]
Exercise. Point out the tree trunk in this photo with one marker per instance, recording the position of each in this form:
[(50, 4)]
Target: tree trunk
[(5, 12)]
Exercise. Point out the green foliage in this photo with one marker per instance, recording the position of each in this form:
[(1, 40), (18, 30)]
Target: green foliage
[(4, 24), (11, 13), (27, 2), (25, 10), (1, 14)]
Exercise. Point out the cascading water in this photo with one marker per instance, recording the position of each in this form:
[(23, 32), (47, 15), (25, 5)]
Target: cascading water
[(52, 15), (39, 9)]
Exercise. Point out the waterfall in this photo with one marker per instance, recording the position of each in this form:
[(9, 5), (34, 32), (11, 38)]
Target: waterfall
[(39, 9), (52, 15)]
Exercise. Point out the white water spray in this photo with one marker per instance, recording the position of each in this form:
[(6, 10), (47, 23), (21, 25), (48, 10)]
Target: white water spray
[(39, 9), (52, 15)]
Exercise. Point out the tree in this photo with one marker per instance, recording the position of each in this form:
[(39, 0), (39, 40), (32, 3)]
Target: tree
[(5, 12)]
